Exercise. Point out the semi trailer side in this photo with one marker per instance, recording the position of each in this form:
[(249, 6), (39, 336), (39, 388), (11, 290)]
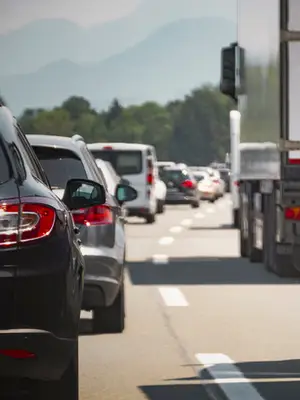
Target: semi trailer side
[(260, 72)]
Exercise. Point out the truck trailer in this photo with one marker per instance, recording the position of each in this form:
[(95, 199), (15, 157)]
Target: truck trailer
[(261, 73)]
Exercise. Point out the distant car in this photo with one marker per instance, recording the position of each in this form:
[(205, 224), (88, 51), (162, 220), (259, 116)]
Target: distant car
[(205, 185), (181, 185), (225, 176), (101, 227), (137, 163), (217, 181)]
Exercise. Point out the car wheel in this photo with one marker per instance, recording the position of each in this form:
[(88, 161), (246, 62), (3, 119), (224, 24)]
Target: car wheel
[(111, 319), (160, 207), (67, 387), (195, 204), (150, 219)]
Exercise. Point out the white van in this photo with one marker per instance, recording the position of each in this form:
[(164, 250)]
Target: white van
[(138, 164)]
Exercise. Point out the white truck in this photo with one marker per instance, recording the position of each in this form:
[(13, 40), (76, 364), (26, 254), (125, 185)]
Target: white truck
[(260, 72)]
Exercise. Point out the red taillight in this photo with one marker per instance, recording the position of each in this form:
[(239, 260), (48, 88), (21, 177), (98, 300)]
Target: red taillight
[(150, 179), (24, 222), (294, 161), (236, 183), (17, 353), (292, 213), (96, 215), (107, 148), (188, 184), (216, 181)]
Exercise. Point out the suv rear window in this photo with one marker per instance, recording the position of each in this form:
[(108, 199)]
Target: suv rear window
[(177, 175), (124, 162), (4, 166), (60, 165)]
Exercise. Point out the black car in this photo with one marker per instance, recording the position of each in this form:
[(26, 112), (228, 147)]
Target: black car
[(41, 273), (101, 228), (181, 185)]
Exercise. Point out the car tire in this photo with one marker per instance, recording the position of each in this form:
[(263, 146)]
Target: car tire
[(195, 204), (111, 319), (150, 218), (212, 200), (160, 207), (67, 387)]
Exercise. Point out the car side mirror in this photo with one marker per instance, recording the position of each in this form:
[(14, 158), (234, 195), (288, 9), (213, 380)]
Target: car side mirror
[(125, 193), (83, 193)]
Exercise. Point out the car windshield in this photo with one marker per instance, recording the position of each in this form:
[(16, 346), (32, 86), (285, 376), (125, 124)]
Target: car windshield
[(124, 162), (60, 165)]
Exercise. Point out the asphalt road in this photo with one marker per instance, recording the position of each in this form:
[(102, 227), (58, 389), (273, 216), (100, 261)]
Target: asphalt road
[(201, 322)]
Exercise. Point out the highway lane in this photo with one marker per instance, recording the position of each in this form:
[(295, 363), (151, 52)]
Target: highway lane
[(195, 309)]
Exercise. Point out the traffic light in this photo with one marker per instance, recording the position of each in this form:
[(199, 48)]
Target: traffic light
[(228, 71)]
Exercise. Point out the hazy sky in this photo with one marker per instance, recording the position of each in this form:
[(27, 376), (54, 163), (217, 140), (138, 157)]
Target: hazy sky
[(15, 13)]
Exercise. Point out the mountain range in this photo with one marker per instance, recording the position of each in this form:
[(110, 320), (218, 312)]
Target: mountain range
[(164, 64)]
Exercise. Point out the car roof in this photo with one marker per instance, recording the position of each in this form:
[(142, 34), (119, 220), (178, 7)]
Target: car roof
[(62, 142), (119, 146)]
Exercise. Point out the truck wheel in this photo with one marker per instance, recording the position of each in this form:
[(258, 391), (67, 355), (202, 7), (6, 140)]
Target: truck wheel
[(282, 265), (236, 218), (111, 319)]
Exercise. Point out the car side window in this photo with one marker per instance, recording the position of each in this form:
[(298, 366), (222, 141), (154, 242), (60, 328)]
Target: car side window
[(19, 163), (30, 158)]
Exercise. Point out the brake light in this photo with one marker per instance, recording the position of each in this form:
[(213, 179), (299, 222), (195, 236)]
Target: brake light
[(188, 184), (236, 183), (107, 148), (294, 161), (96, 215), (150, 179), (216, 181), (20, 223), (17, 353), (292, 213)]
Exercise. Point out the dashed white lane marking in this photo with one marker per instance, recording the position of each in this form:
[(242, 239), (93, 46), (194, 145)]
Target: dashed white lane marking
[(186, 222), (166, 240), (160, 259), (175, 229), (230, 379), (210, 210), (199, 215), (173, 297)]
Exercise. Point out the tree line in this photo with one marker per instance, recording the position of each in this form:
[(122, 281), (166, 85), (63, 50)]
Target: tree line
[(194, 130)]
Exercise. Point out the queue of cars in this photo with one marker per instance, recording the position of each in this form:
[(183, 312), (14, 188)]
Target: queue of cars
[(63, 207)]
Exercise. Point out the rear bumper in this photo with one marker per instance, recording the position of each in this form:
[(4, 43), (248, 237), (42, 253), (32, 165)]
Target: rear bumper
[(51, 355), (103, 276)]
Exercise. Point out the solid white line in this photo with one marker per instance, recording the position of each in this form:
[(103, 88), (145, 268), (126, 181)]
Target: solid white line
[(166, 240), (199, 215), (173, 297), (186, 222), (210, 210), (160, 259), (175, 229), (219, 365)]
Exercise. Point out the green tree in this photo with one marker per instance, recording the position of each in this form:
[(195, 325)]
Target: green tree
[(91, 127), (76, 106), (54, 122), (113, 113)]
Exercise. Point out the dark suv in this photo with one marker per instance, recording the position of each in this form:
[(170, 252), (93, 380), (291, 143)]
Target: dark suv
[(182, 187), (101, 228), (41, 274)]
